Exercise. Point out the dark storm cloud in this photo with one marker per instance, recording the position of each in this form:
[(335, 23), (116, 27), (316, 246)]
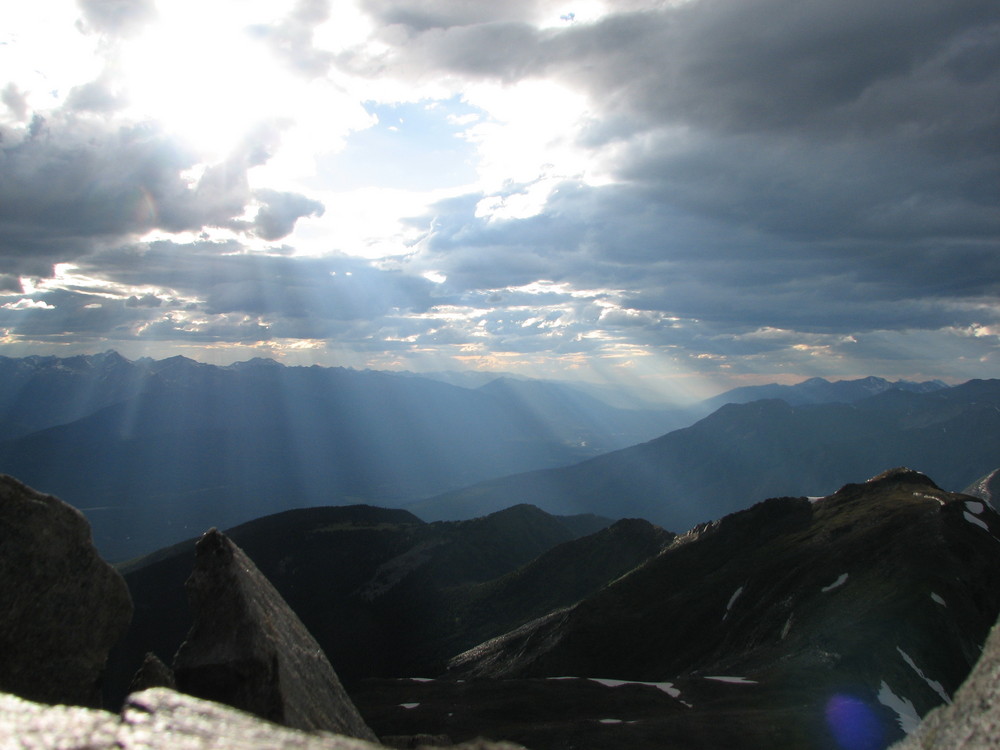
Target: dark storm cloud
[(72, 185), (729, 276), (735, 66), (887, 104), (813, 167)]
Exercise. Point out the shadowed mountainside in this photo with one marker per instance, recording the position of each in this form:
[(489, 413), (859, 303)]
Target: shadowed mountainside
[(387, 594), (824, 624)]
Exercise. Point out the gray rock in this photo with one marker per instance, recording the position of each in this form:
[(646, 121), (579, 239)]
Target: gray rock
[(248, 649), (161, 719), (155, 719), (62, 607), (152, 673), (972, 721)]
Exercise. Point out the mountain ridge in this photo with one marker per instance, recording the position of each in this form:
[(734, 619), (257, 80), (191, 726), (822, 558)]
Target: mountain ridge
[(766, 448)]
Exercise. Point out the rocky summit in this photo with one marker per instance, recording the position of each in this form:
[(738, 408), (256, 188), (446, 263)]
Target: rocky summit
[(63, 607)]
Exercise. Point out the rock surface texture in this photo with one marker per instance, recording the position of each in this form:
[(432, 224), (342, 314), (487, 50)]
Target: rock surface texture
[(152, 673), (62, 607), (161, 719), (249, 650)]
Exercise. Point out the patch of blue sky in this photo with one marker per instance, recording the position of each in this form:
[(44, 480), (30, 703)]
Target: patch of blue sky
[(413, 146)]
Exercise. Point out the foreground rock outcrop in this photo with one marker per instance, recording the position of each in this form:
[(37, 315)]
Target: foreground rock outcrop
[(249, 650), (972, 720), (161, 719), (62, 607)]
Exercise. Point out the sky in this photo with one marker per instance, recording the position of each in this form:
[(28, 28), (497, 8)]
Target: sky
[(679, 196)]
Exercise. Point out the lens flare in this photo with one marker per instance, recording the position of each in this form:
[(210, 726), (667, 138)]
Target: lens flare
[(854, 724)]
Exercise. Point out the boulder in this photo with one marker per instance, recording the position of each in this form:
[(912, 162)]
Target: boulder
[(248, 649), (152, 673), (62, 607)]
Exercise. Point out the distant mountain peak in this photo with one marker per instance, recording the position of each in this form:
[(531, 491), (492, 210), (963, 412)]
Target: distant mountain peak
[(257, 362)]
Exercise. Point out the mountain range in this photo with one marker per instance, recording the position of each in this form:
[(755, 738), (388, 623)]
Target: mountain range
[(156, 451), (768, 448)]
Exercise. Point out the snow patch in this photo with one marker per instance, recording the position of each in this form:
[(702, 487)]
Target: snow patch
[(836, 584), (610, 721), (906, 714), (977, 521), (938, 599), (925, 496), (788, 626), (975, 507), (422, 679), (732, 680), (815, 500), (934, 685), (408, 706), (666, 687), (732, 600)]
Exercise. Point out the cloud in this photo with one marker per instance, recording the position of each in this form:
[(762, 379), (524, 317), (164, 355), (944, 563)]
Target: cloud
[(222, 279), (422, 15), (827, 168), (98, 96), (292, 38), (278, 213), (72, 185), (15, 100), (116, 17), (709, 186)]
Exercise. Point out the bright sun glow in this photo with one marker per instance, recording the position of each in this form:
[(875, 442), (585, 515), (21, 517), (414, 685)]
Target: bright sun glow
[(203, 77)]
